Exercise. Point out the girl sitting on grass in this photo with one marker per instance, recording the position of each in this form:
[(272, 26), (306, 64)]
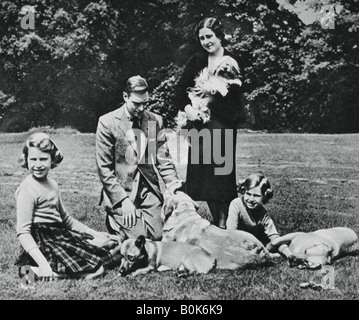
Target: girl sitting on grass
[(247, 212), (53, 242)]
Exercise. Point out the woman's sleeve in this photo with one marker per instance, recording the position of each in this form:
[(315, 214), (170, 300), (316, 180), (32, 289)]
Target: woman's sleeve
[(186, 80), (231, 107), (228, 110)]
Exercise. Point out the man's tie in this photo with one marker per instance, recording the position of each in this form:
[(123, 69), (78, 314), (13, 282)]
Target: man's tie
[(136, 125)]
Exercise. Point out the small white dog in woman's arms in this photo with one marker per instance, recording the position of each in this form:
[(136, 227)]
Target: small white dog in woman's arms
[(216, 79), (314, 249)]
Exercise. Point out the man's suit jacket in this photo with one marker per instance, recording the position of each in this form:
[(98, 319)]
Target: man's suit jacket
[(118, 161)]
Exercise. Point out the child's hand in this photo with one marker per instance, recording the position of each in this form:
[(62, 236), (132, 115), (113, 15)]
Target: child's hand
[(45, 272), (104, 240), (270, 247), (95, 234)]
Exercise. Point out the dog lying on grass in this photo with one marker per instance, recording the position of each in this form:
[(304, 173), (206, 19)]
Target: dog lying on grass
[(141, 256), (231, 249), (314, 249)]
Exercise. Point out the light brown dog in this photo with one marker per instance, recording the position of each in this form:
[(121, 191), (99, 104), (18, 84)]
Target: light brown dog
[(314, 249), (230, 248), (141, 256)]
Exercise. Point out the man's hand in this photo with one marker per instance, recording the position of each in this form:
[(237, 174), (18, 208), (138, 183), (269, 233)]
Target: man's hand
[(128, 212)]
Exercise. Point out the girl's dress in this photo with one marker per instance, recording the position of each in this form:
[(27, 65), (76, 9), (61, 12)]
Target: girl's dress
[(59, 236), (202, 183)]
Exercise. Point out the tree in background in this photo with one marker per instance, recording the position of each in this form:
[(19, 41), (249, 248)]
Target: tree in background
[(72, 67), (57, 72), (326, 95), (298, 77)]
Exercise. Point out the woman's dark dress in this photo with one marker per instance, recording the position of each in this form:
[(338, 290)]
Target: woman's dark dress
[(202, 184)]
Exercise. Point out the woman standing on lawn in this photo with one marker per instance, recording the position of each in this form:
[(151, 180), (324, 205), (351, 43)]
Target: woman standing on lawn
[(52, 241), (203, 182)]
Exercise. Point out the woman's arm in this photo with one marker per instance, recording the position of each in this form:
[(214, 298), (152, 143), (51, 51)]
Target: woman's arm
[(228, 109), (186, 81)]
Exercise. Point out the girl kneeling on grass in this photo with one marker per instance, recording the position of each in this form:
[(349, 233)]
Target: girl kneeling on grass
[(247, 212), (53, 242)]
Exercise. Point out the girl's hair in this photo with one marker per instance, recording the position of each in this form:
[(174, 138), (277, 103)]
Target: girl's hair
[(215, 25), (136, 84), (44, 143), (253, 181)]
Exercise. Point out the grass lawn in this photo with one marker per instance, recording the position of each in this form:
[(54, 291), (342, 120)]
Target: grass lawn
[(315, 179)]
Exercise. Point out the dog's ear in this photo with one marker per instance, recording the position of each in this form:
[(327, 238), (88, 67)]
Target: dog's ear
[(196, 205), (169, 205), (329, 253), (167, 195), (173, 187), (185, 196), (167, 210), (140, 241)]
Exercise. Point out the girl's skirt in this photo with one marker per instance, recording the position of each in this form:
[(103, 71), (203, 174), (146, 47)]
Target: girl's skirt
[(66, 251)]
